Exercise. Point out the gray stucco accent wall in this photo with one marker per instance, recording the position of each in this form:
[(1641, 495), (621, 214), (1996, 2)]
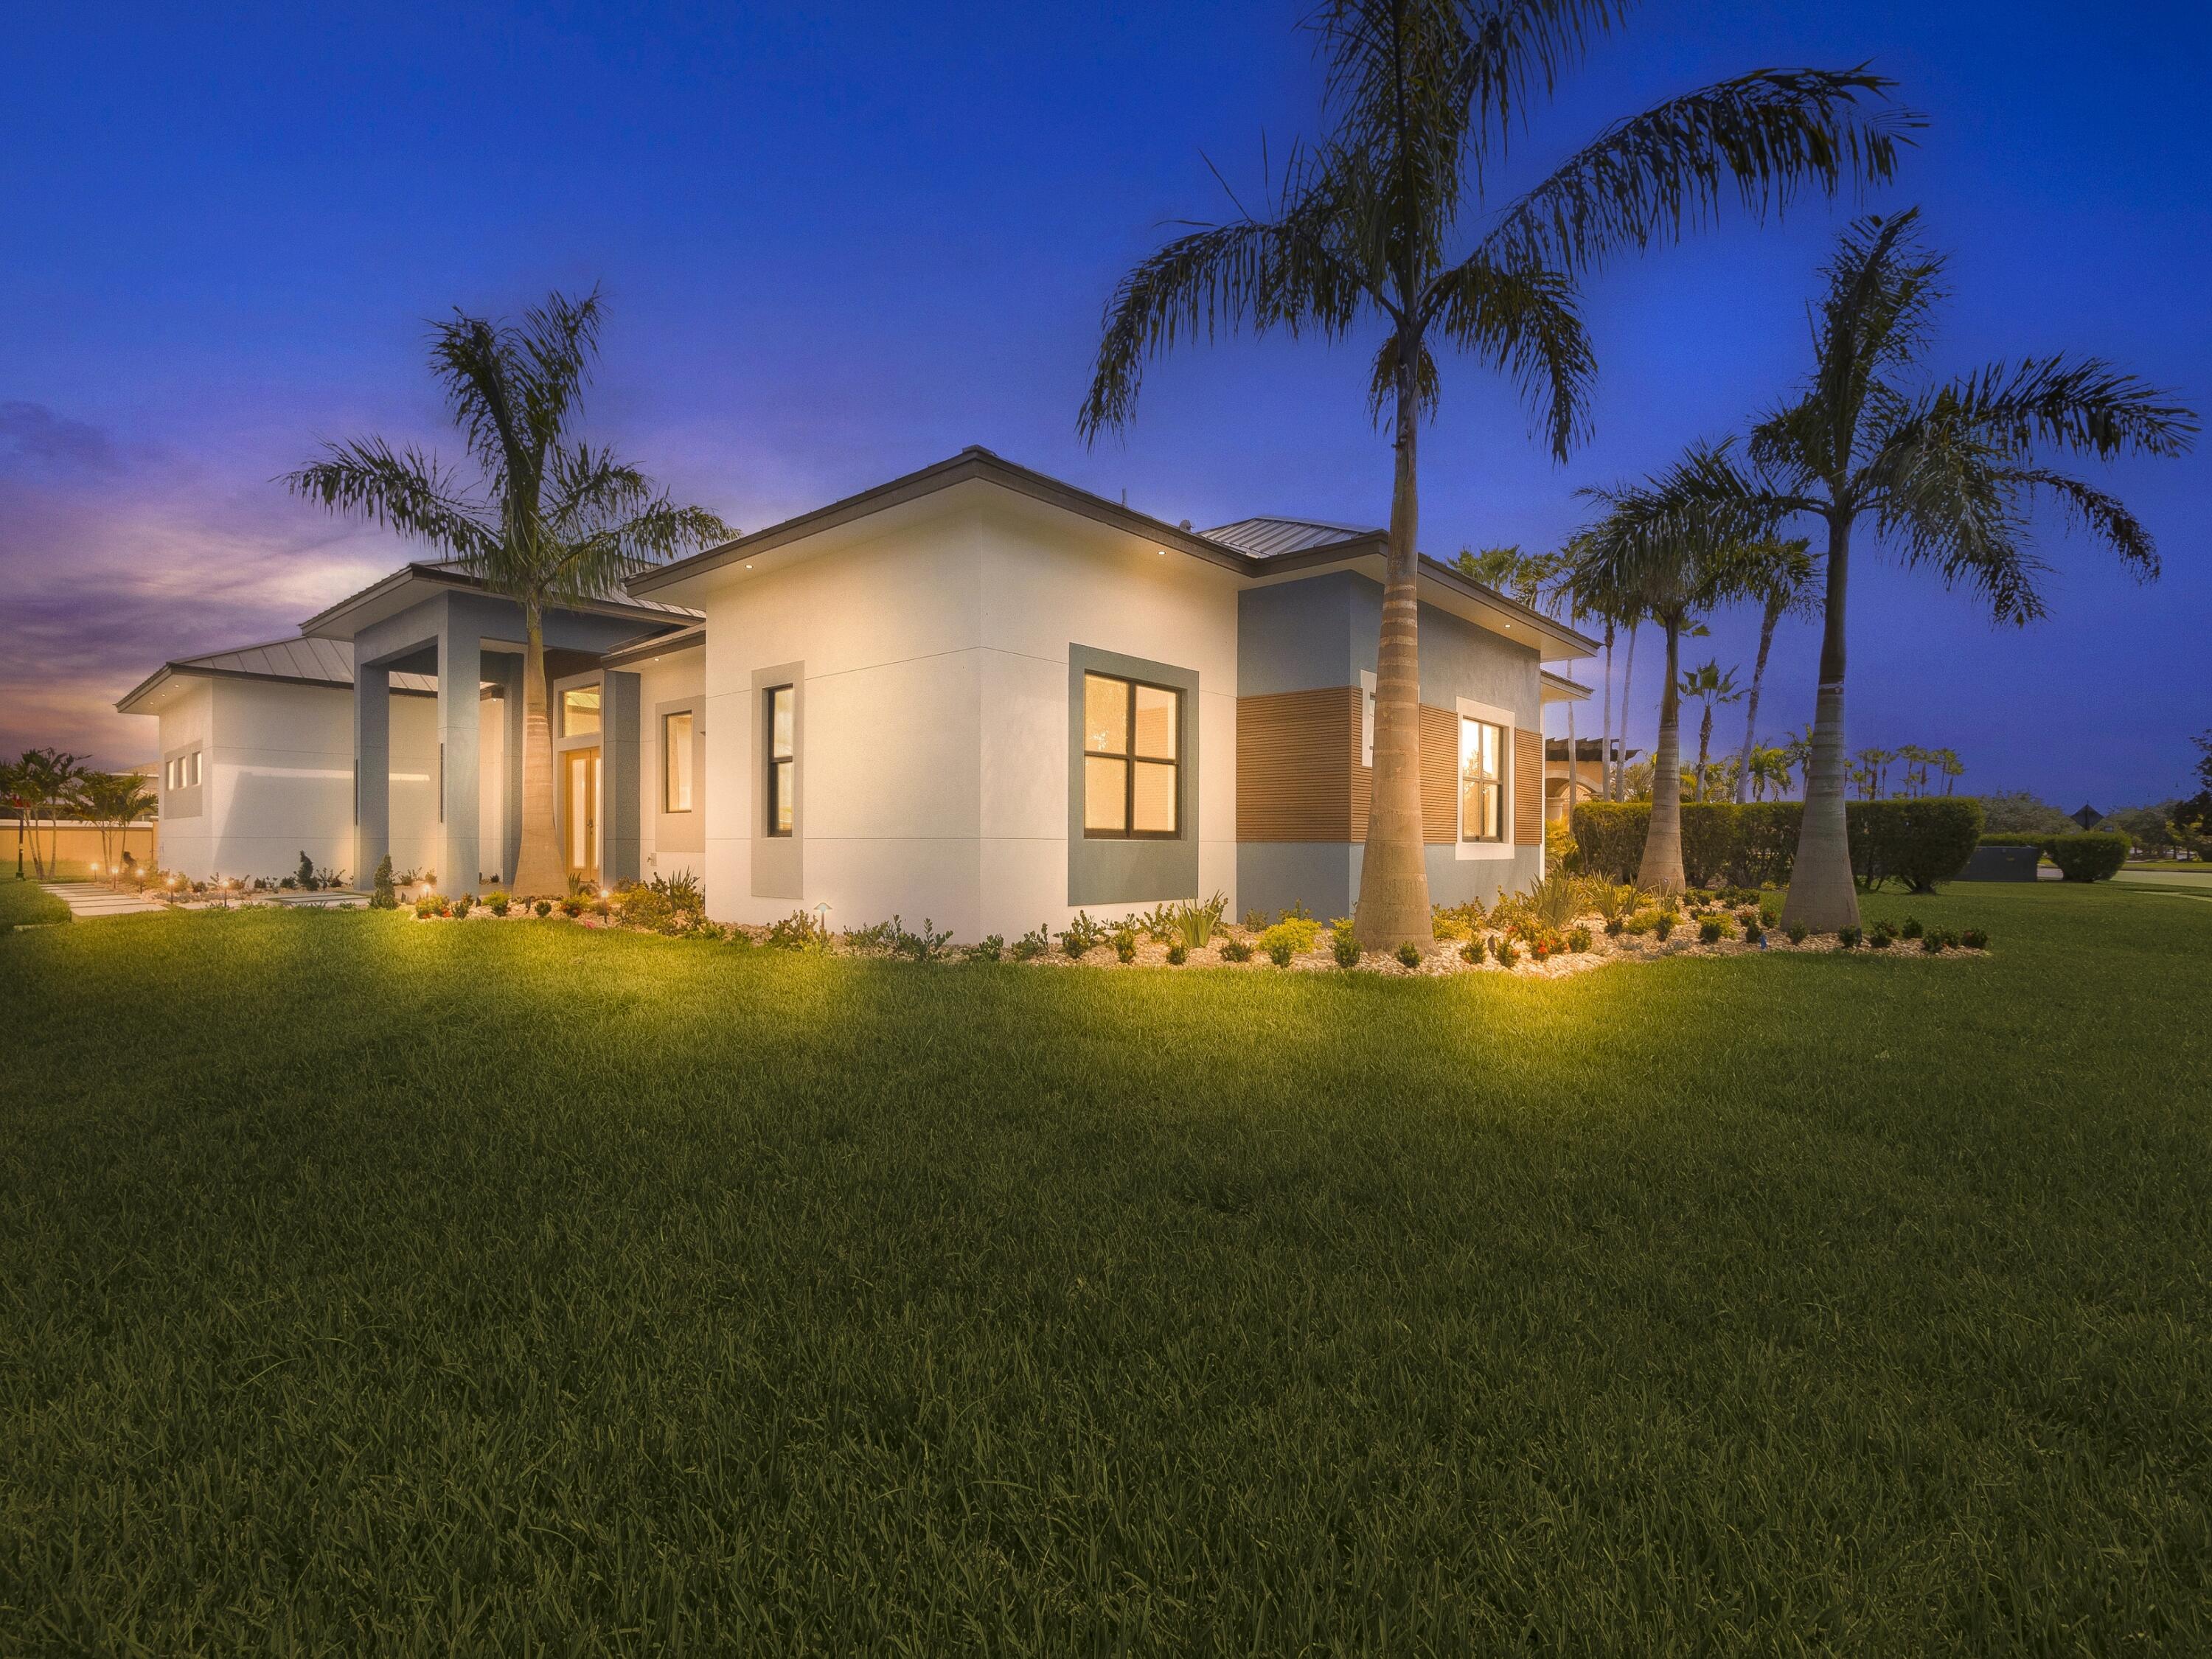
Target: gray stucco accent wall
[(1115, 872)]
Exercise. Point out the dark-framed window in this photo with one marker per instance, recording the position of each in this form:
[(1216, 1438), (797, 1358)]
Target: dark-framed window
[(1481, 780), (1132, 759), (778, 732), (580, 711), (676, 782)]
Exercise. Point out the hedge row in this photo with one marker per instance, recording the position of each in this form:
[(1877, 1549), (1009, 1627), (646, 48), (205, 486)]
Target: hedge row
[(2091, 856), (1919, 842)]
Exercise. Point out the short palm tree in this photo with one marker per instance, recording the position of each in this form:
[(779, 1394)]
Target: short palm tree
[(41, 780), (1710, 684), (1770, 769), (113, 801), (1783, 587), (549, 520), (1944, 474), (1674, 565), (1952, 769), (1422, 97)]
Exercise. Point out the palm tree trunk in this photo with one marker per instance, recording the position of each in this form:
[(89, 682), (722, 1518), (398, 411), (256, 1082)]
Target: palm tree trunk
[(1822, 896), (1663, 843), (1705, 748), (1605, 721), (1757, 675), (539, 872), (1627, 679), (1574, 760), (1393, 881)]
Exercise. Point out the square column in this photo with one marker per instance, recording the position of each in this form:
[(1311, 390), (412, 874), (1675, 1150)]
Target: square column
[(372, 772), (505, 667), (460, 672)]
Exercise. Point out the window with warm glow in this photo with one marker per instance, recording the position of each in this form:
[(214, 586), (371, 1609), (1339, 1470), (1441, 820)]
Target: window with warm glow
[(780, 708), (1132, 758), (1481, 782), (580, 711), (676, 762)]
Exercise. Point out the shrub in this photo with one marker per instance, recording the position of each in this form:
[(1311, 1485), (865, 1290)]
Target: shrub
[(306, 875), (1342, 945), (1082, 935), (1234, 949), (1797, 932), (1409, 954), (1709, 930), (428, 906), (989, 948), (2012, 838), (1560, 852), (603, 905), (1461, 921), (1300, 933), (1156, 924), (1578, 940), (386, 896), (1920, 842), (1847, 938), (1473, 951), (1931, 942), (1255, 920), (1297, 912), (1505, 950), (1912, 929), (1277, 948), (572, 907), (1766, 841), (2096, 856), (927, 945), (1178, 954), (1036, 943), (544, 907), (1609, 837), (1974, 940), (798, 931), (1664, 925), (1557, 900), (1642, 922), (1125, 944), (1879, 940), (500, 902), (876, 936), (1753, 933)]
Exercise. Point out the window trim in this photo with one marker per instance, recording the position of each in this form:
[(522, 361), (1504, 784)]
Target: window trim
[(692, 769), (1500, 781), (595, 684), (1131, 761), (779, 773)]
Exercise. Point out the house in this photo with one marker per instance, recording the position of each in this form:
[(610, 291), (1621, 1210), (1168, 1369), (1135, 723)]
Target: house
[(1587, 770), (974, 693)]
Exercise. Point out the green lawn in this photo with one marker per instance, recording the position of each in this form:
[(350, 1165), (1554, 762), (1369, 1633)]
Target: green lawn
[(373, 1286), (25, 903)]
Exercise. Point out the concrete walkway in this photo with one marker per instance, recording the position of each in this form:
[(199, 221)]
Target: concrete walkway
[(87, 899)]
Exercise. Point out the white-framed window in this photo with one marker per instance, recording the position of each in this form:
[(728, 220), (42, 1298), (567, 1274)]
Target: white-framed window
[(676, 729), (1482, 759)]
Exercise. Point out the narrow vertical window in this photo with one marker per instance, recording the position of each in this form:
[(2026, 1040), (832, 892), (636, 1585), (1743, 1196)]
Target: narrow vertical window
[(676, 762), (580, 711), (779, 710), (1481, 780), (1132, 759)]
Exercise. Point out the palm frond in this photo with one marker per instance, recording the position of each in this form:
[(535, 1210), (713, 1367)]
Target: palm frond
[(405, 490), (1942, 502), (555, 345), (2085, 405), (1760, 138), (1524, 323), (2096, 511), (1684, 538)]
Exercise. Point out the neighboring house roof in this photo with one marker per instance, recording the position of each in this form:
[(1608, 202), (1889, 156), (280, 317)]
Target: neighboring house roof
[(1289, 543), (412, 582), (287, 662), (1558, 688), (1586, 749), (1270, 538)]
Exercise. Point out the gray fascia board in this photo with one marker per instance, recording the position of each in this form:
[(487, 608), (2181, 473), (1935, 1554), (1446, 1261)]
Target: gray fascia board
[(318, 626)]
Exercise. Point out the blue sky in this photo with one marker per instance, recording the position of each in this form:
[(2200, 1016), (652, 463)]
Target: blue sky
[(839, 245)]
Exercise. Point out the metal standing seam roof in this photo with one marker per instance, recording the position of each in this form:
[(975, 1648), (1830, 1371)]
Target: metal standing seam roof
[(1268, 538), (327, 662)]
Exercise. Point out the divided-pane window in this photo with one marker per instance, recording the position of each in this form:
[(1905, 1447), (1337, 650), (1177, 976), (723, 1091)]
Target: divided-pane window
[(1132, 758), (676, 762), (580, 711), (779, 710), (1481, 780)]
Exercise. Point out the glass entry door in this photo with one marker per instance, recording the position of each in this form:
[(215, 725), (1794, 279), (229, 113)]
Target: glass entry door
[(580, 802)]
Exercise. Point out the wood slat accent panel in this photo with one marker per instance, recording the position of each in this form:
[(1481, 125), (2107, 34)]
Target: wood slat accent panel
[(1439, 779), (1527, 787), (1296, 754)]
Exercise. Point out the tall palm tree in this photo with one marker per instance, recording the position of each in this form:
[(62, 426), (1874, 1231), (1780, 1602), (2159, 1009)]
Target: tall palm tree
[(1873, 766), (1675, 564), (549, 520), (1711, 685), (1945, 475), (1952, 769), (1783, 587), (1423, 98)]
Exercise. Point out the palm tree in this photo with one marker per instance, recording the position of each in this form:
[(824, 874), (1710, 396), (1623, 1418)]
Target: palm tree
[(1797, 756), (549, 519), (1649, 545), (41, 781), (1783, 587), (1423, 98), (1952, 769), (1874, 765), (1945, 475), (1710, 684), (1770, 769), (113, 801)]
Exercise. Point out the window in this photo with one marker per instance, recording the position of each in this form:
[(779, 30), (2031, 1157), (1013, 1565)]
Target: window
[(676, 762), (580, 711), (1481, 783), (779, 707), (1132, 758), (184, 772)]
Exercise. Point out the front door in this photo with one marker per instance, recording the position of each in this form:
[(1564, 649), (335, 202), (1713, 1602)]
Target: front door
[(579, 797)]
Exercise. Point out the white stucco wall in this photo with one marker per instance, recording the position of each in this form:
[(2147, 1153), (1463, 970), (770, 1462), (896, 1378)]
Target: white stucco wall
[(935, 750), (187, 843), (670, 843)]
